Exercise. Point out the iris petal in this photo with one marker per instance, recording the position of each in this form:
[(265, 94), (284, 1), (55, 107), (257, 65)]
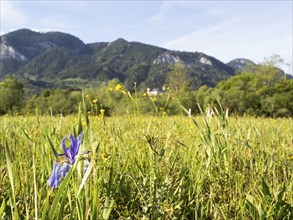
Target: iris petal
[(64, 147), (72, 152), (54, 179), (73, 147), (64, 169)]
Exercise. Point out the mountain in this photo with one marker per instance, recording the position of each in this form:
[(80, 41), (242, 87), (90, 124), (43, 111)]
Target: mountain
[(240, 63), (58, 60)]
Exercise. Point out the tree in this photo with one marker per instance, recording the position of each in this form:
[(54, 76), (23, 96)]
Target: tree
[(177, 78), (11, 95)]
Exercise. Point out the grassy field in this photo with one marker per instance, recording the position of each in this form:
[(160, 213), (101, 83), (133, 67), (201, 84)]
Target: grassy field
[(148, 168)]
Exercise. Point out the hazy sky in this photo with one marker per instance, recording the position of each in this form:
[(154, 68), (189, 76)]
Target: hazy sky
[(223, 29)]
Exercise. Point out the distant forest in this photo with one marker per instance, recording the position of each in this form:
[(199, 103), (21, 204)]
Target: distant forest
[(257, 91)]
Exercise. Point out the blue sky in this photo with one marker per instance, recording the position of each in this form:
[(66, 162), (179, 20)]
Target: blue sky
[(223, 29)]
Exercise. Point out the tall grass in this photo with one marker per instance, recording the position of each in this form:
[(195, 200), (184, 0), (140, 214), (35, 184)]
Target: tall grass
[(149, 168)]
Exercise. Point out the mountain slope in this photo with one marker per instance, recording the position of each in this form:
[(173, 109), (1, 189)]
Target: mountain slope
[(240, 63), (54, 57)]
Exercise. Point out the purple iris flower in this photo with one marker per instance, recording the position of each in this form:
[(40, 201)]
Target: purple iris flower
[(70, 158), (72, 152), (58, 171), (54, 179)]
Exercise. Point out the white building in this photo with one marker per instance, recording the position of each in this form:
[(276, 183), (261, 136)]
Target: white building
[(155, 92)]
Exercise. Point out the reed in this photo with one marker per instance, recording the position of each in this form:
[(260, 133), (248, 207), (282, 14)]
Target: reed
[(148, 167)]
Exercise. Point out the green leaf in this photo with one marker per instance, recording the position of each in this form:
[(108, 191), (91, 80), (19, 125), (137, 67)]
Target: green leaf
[(61, 209), (51, 145), (26, 135), (85, 112), (11, 179), (95, 201), (45, 208), (195, 123), (266, 189), (251, 204), (35, 189), (108, 208), (79, 125), (85, 177), (2, 208)]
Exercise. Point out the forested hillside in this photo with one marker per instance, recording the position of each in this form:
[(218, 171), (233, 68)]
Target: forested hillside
[(49, 73), (59, 60), (258, 91)]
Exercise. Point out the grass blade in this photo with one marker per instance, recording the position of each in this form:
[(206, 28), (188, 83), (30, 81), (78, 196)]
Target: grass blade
[(2, 208), (11, 179), (35, 189), (51, 145), (85, 177), (61, 209)]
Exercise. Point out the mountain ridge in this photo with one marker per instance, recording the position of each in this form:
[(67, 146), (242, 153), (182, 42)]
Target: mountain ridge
[(56, 56)]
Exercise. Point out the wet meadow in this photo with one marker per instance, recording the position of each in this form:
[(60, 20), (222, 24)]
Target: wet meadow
[(146, 167)]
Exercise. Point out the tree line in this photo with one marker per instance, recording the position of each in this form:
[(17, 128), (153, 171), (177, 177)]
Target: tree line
[(259, 90)]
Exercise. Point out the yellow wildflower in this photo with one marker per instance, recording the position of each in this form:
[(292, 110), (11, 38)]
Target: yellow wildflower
[(118, 87), (102, 111), (106, 156)]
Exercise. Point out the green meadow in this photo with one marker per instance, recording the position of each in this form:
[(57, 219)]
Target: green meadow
[(144, 167)]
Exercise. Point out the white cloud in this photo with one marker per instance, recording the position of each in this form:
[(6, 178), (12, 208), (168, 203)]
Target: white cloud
[(245, 37), (229, 30)]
